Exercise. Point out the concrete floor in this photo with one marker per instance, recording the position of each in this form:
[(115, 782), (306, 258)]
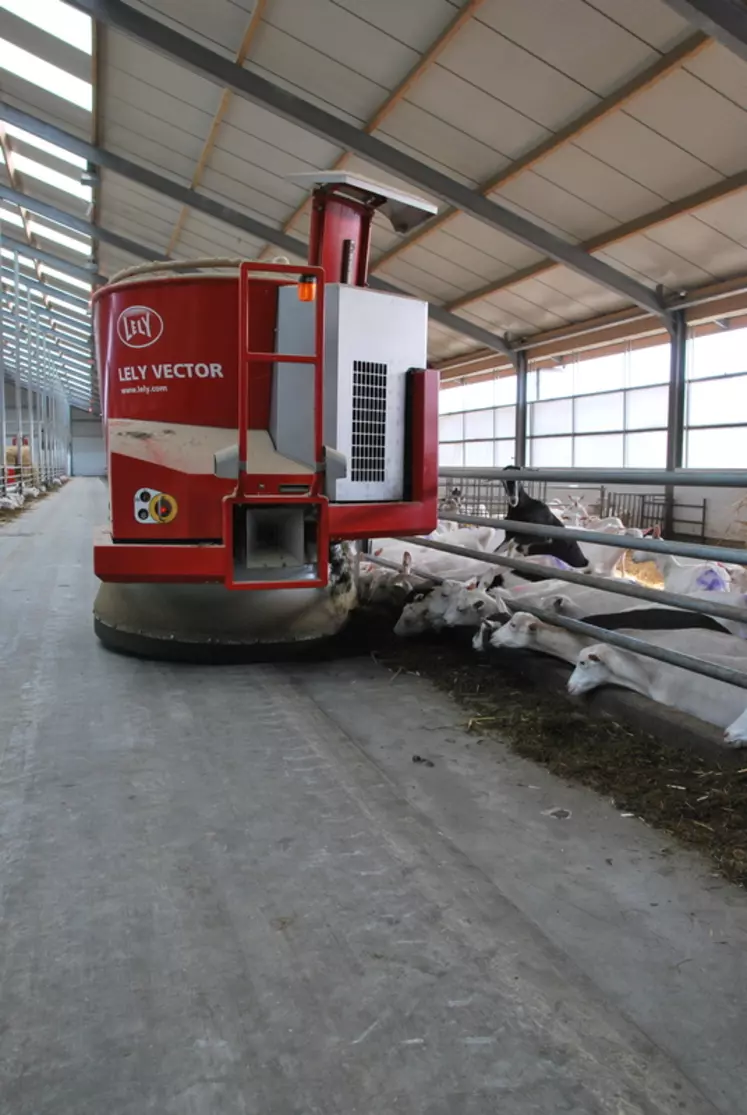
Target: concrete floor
[(231, 892)]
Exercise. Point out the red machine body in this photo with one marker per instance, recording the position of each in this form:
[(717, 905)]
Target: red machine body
[(186, 371)]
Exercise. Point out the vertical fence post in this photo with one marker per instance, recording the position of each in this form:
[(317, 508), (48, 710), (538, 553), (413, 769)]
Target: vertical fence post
[(676, 410), (520, 450), (18, 396)]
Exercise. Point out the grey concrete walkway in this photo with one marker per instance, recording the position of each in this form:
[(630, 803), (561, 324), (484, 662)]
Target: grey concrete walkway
[(231, 892)]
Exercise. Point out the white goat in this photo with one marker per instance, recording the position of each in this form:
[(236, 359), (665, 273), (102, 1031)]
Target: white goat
[(687, 575), (710, 700)]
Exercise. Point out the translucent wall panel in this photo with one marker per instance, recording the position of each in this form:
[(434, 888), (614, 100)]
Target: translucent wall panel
[(647, 450), (505, 391), (551, 418), (451, 455), (647, 408), (551, 452), (600, 412), (478, 424), (647, 366), (451, 427), (556, 383), (720, 354), (504, 453), (717, 401), (716, 448), (601, 373), (505, 422), (598, 451), (478, 453)]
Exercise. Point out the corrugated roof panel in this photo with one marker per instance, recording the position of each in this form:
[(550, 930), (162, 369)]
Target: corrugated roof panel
[(135, 127), (502, 248), (226, 241), (136, 226), (597, 299), (254, 175), (651, 20), (523, 306), (498, 126), (571, 36), (482, 267), (219, 24), (416, 23), (697, 118), (598, 183), (343, 37), (434, 288), (244, 119), (539, 198), (648, 260), (561, 303), (515, 76), (231, 157), (121, 92), (112, 260), (437, 143), (422, 255), (262, 205), (127, 192), (444, 343), (646, 157), (505, 319), (290, 63), (723, 71), (132, 144), (728, 215), (159, 74), (700, 244), (383, 236)]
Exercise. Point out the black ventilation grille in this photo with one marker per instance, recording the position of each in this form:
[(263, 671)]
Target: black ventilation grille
[(368, 463)]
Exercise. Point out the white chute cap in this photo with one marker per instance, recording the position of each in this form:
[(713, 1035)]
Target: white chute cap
[(403, 211)]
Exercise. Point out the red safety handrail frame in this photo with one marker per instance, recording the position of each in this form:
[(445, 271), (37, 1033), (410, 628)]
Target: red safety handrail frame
[(247, 356)]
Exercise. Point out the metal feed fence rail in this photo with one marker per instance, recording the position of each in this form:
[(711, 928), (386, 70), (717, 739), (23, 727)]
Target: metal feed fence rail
[(700, 478), (16, 481)]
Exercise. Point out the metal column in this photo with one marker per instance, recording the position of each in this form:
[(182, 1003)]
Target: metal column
[(520, 449), (18, 395), (3, 426), (676, 413)]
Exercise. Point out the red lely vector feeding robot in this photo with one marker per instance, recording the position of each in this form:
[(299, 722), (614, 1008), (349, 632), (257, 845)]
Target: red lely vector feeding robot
[(256, 415)]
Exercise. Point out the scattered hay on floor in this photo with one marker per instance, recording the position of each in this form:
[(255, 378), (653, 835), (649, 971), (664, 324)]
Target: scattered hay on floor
[(645, 573), (701, 803)]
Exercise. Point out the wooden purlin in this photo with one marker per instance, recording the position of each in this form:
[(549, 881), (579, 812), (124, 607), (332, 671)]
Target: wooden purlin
[(240, 58), (641, 83)]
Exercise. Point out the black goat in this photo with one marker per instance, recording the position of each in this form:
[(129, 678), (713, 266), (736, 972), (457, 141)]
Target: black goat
[(522, 508)]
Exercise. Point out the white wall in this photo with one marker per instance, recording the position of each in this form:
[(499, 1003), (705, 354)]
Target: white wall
[(88, 452)]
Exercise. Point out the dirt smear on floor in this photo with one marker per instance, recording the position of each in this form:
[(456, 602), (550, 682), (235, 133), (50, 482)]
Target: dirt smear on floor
[(699, 801)]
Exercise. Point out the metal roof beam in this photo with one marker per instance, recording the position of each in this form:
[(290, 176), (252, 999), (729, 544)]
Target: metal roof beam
[(290, 107), (234, 218), (724, 20)]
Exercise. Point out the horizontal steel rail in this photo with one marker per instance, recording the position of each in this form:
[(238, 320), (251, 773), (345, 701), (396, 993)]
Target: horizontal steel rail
[(620, 541), (682, 478), (649, 650), (606, 584), (596, 634)]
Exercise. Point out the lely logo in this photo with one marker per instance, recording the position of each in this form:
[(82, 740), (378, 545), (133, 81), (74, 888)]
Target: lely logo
[(139, 326)]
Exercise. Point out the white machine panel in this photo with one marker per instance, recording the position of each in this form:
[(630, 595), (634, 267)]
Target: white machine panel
[(372, 339)]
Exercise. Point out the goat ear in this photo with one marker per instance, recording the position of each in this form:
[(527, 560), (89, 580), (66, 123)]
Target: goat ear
[(479, 605), (593, 657), (557, 604), (532, 626)]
